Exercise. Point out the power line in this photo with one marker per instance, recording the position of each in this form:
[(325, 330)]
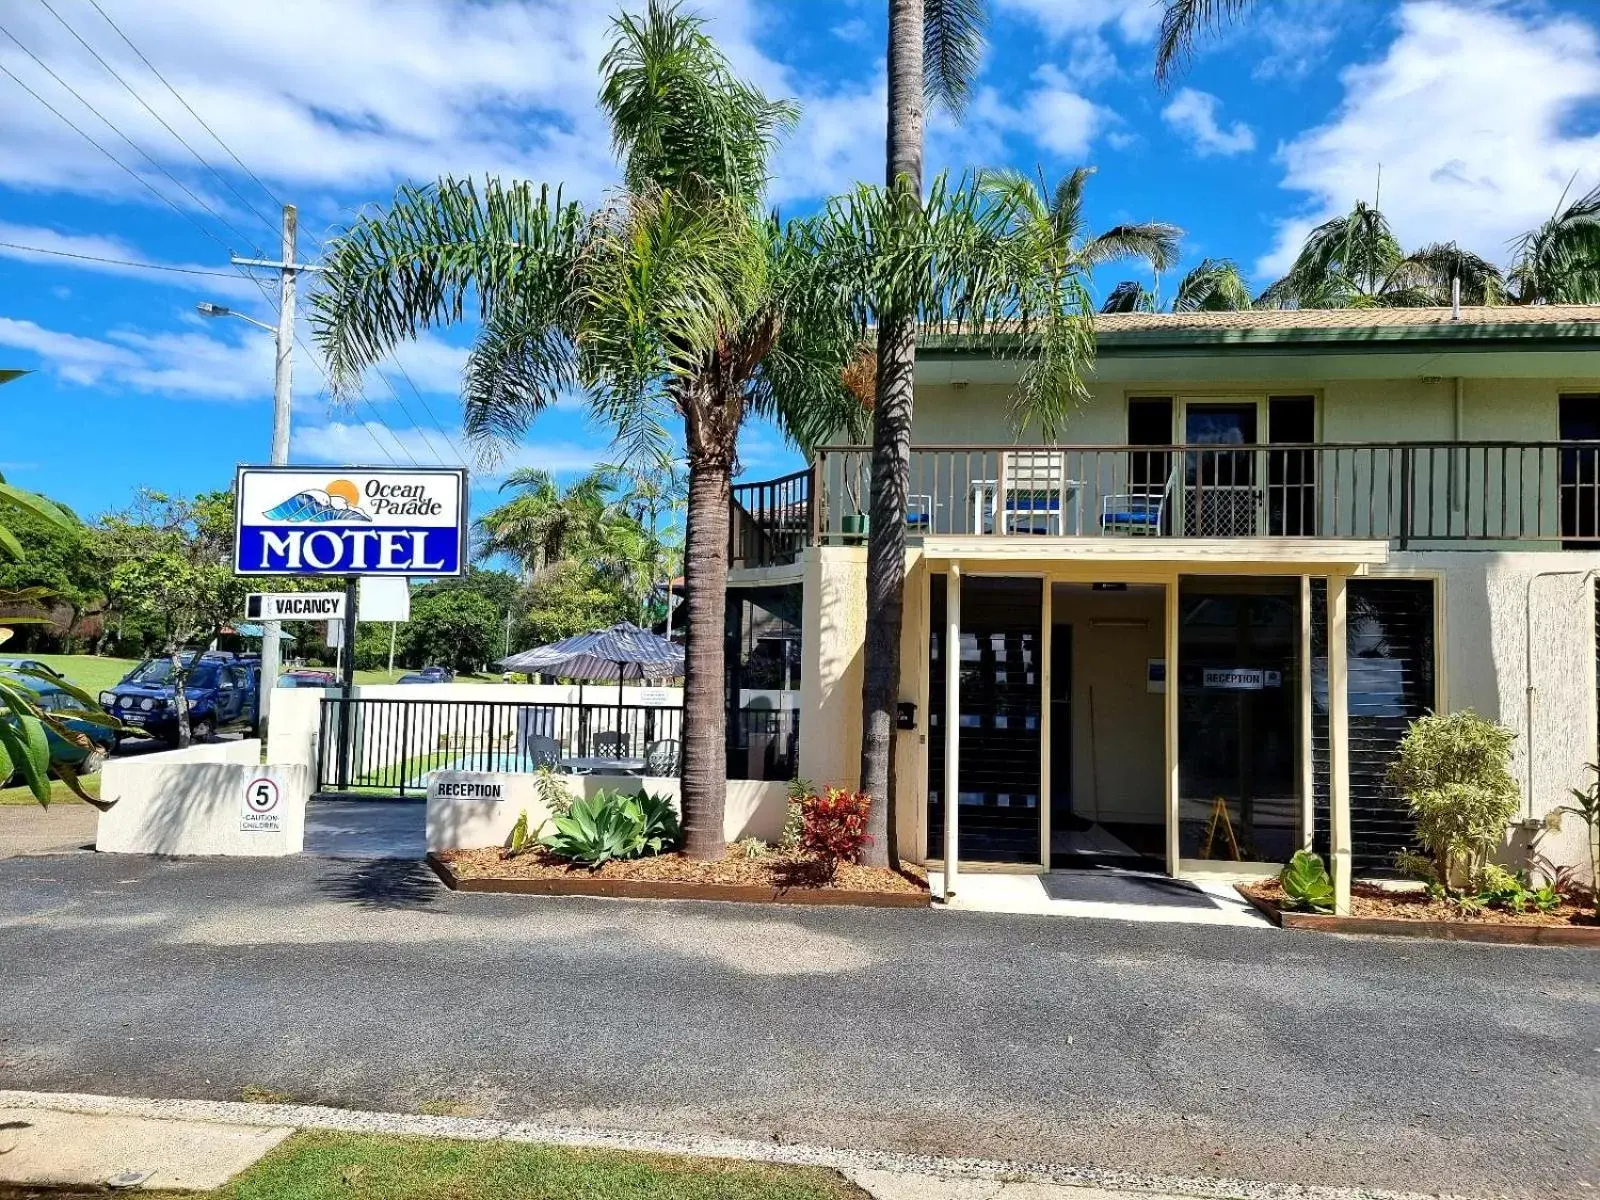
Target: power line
[(140, 179), (129, 88), (428, 408), (111, 126), (178, 96), (117, 262)]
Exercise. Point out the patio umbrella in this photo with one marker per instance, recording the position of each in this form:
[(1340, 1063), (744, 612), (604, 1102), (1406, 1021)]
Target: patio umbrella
[(622, 652)]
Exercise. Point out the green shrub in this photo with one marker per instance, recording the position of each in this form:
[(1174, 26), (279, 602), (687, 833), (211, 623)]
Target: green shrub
[(611, 825), (551, 788), (1587, 810), (794, 817), (518, 841), (1306, 884), (1454, 772), (752, 848)]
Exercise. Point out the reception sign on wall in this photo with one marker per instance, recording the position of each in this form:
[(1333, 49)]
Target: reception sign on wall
[(350, 521)]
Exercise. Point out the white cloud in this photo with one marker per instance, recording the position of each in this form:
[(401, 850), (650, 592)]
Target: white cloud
[(1467, 116), (95, 246), (1194, 114), (1059, 118), (1135, 20), (186, 365), (853, 30), (351, 442)]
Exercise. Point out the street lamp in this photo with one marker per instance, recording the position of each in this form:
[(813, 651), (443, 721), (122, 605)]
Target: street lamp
[(207, 309), (271, 631)]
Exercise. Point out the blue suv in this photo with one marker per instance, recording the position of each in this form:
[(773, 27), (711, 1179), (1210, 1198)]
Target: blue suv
[(223, 691)]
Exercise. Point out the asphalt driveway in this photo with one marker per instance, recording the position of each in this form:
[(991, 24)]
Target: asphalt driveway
[(1173, 1049)]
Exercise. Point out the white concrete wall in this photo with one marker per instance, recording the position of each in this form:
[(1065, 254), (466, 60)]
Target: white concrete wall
[(196, 805), (293, 724), (753, 809)]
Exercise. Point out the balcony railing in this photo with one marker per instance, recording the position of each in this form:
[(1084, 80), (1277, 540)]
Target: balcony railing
[(1412, 494), (770, 522)]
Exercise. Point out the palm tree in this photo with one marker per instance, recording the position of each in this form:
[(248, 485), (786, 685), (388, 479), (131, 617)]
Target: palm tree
[(544, 524), (1559, 262), (677, 300), (1052, 220), (1214, 285), (1355, 261), (933, 53)]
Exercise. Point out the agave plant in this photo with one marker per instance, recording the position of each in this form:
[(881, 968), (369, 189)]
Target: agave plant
[(1306, 884), (611, 825)]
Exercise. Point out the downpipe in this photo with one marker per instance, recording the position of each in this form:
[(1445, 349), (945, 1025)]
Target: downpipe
[(1527, 651)]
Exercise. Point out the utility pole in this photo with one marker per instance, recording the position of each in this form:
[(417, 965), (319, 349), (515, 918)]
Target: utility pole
[(282, 392)]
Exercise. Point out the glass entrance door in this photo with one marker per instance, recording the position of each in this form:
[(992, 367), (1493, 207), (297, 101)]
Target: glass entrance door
[(1221, 498)]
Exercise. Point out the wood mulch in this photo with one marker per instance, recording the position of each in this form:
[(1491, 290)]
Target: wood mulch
[(776, 871), (1369, 901)]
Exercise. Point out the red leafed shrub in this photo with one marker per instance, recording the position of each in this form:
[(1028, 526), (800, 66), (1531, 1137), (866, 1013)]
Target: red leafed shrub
[(833, 827)]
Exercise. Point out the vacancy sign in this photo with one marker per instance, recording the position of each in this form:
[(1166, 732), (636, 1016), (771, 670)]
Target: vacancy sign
[(294, 606), (350, 521)]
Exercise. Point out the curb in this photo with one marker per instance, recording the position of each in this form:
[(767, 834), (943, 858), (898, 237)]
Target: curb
[(479, 1129), (1448, 931)]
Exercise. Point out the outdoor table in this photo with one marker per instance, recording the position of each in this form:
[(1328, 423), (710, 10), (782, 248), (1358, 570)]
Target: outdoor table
[(602, 765)]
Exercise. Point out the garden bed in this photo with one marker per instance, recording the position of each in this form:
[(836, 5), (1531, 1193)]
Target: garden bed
[(1413, 913), (774, 878)]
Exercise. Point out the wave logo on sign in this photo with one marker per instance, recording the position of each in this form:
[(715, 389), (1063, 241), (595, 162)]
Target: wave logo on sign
[(339, 501)]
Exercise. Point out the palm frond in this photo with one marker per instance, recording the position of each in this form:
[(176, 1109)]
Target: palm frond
[(1153, 242), (1559, 261), (1181, 26), (1423, 278), (417, 265), (1128, 296), (679, 116), (1215, 285), (952, 49)]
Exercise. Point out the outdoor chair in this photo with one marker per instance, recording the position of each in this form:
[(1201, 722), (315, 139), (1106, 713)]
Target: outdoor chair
[(661, 758), (1036, 492), (544, 751), (1140, 511), (608, 745)]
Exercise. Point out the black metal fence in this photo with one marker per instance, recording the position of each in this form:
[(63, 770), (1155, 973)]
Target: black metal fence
[(390, 746)]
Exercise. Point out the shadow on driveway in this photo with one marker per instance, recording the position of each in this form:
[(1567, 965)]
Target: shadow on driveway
[(384, 884)]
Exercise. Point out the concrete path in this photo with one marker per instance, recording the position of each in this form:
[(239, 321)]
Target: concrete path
[(45, 1146), (367, 829), (1160, 1049), (1112, 895), (59, 829)]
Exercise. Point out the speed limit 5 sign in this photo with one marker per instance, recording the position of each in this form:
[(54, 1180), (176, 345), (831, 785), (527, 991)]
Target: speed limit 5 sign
[(262, 808)]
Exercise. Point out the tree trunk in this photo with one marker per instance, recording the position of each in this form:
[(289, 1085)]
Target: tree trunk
[(891, 453), (180, 697), (705, 582)]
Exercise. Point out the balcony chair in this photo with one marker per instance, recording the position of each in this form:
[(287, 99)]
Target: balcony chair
[(544, 751), (1141, 511), (1036, 494)]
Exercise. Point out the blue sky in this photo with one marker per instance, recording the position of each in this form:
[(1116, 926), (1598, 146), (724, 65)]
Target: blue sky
[(1477, 113)]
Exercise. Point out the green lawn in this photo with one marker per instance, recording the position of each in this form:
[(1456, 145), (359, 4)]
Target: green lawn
[(91, 672), (337, 1166), (58, 793)]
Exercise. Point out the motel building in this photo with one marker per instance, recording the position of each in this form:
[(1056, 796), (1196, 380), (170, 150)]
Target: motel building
[(1188, 636)]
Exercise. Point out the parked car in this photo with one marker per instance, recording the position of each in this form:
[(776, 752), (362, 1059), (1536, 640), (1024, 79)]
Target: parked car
[(29, 664), (438, 674), (305, 677), (61, 703), (223, 692), (421, 677)]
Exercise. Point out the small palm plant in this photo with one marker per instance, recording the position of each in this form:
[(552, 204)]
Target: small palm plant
[(1587, 810)]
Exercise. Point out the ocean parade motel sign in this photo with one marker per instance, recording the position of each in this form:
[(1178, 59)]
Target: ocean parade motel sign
[(350, 521)]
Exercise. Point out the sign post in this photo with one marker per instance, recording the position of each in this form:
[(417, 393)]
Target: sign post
[(346, 724)]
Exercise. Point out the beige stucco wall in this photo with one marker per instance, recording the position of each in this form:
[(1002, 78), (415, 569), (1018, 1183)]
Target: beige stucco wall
[(834, 623), (1118, 726), (1484, 666)]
